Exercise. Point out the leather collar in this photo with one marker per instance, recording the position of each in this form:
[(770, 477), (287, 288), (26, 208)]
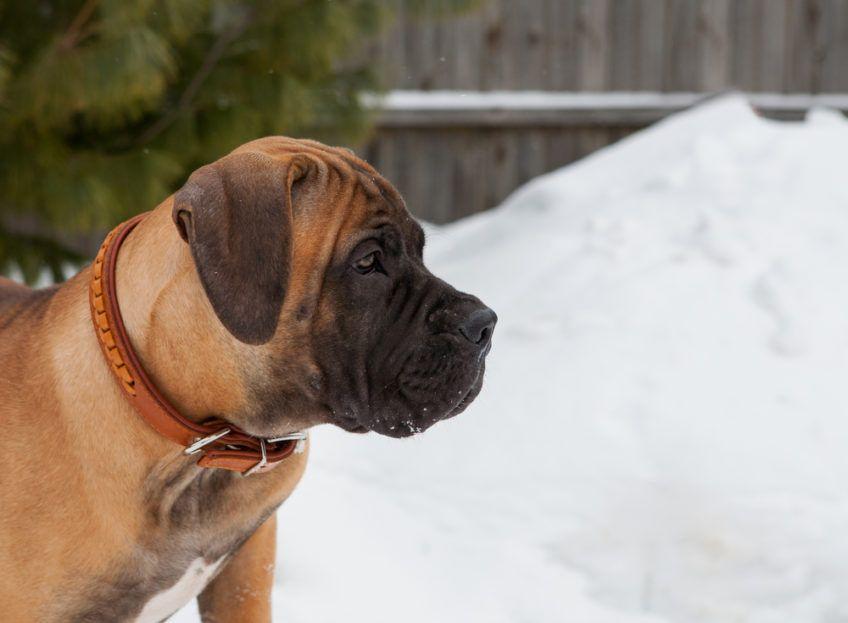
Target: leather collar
[(219, 444)]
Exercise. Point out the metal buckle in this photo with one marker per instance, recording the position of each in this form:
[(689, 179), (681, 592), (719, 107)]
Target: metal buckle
[(298, 436), (262, 462), (198, 445)]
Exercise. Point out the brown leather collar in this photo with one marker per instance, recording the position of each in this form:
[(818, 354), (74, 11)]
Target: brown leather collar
[(218, 443)]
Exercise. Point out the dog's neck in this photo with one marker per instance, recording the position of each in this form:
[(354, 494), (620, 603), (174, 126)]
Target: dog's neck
[(171, 325), (190, 357)]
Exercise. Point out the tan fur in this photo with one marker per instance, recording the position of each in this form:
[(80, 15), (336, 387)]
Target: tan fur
[(242, 592), (78, 465)]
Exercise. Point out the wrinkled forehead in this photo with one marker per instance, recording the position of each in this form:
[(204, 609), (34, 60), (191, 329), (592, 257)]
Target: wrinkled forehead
[(355, 195), (378, 206), (382, 206), (348, 194)]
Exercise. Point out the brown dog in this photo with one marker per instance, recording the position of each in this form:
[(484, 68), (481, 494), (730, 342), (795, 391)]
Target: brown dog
[(280, 288)]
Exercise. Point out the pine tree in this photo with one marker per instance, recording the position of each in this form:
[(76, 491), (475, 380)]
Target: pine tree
[(105, 105)]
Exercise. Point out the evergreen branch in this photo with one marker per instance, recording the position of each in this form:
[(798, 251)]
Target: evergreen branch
[(117, 100), (210, 60), (73, 33)]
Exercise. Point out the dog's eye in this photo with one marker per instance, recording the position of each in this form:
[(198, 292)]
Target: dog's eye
[(368, 263)]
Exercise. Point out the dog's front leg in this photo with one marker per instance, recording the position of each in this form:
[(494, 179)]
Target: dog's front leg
[(241, 593)]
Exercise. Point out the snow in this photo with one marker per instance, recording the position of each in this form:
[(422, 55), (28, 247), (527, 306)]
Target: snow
[(456, 100), (662, 434)]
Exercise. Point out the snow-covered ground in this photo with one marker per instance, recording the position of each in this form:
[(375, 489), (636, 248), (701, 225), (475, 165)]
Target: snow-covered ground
[(663, 434)]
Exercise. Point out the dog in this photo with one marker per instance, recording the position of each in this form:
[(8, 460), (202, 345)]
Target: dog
[(280, 288)]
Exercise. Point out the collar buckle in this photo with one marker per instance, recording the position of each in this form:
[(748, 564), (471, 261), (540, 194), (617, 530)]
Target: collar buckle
[(297, 436), (198, 445), (262, 462)]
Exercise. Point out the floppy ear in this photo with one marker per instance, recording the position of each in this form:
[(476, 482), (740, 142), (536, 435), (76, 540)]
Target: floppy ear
[(236, 216)]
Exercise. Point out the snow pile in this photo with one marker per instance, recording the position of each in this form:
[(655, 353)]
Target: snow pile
[(663, 435)]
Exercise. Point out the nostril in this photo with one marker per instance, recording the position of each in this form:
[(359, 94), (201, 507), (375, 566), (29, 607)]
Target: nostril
[(479, 325), (485, 335)]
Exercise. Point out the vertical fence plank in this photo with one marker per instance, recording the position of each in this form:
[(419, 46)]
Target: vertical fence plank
[(821, 46), (561, 43), (420, 43), (467, 33), (745, 37), (651, 45), (835, 69), (468, 195), (560, 148), (531, 154), (443, 56), (713, 24), (806, 46), (624, 57), (532, 69), (502, 170), (593, 45), (493, 44), (444, 152), (508, 56), (387, 49), (681, 52), (773, 47)]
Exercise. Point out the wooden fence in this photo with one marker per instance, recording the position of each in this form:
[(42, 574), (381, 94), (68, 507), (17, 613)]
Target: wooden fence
[(450, 162)]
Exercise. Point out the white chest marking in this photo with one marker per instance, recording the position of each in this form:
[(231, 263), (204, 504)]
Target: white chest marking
[(167, 602)]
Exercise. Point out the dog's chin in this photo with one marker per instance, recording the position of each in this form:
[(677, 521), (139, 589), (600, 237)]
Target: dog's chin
[(386, 427), (351, 425), (399, 427)]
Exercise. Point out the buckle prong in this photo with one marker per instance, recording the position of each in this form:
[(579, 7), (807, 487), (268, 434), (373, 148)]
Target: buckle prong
[(198, 445), (298, 436), (262, 462)]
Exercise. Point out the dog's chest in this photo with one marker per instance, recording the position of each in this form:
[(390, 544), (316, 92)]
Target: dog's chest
[(195, 521), (150, 585), (195, 525), (166, 602)]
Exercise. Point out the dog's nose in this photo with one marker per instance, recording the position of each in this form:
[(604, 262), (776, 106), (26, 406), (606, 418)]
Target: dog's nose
[(477, 328)]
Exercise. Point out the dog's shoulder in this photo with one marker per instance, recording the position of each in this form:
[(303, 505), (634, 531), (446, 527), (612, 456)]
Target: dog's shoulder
[(16, 298), (12, 295)]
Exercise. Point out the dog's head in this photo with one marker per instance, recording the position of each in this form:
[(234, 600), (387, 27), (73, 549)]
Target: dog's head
[(308, 254)]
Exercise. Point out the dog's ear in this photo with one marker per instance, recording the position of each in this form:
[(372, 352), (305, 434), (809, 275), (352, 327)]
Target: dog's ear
[(236, 216)]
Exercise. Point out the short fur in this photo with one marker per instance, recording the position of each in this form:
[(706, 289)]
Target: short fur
[(242, 299)]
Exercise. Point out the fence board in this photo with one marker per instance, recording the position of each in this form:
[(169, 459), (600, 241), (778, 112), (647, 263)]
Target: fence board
[(773, 58), (805, 45), (714, 44), (492, 44), (561, 44), (532, 61), (624, 30), (681, 52), (835, 70), (593, 45), (455, 162), (651, 50), (599, 45)]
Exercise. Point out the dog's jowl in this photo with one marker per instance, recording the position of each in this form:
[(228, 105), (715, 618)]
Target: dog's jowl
[(155, 408)]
